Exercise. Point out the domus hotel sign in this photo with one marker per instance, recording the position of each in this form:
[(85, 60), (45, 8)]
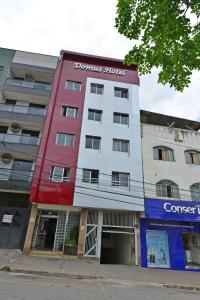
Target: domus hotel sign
[(172, 210), (99, 69)]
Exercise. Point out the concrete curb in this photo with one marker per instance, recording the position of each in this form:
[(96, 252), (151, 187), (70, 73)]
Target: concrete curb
[(103, 279), (56, 274)]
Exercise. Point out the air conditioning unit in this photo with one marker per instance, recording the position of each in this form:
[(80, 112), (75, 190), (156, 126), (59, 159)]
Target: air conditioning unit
[(6, 158), (15, 127)]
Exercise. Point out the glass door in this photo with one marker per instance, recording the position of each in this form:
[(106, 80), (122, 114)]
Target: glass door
[(157, 249), (45, 232)]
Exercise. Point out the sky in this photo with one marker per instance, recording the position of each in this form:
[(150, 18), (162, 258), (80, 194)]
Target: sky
[(87, 26)]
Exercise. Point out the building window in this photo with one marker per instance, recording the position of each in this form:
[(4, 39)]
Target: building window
[(64, 139), (73, 85), (120, 118), (90, 176), (94, 114), (36, 109), (1, 70), (69, 112), (10, 102), (195, 191), (30, 137), (167, 188), (21, 170), (92, 142), (120, 179), (96, 88), (59, 174), (121, 92), (192, 157), (120, 145), (3, 129), (163, 153)]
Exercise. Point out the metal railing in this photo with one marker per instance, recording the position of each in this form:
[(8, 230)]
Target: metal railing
[(19, 139), (12, 175), (28, 84), (23, 109)]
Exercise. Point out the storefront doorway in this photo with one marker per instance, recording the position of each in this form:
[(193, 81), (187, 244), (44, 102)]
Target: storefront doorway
[(191, 245), (45, 234)]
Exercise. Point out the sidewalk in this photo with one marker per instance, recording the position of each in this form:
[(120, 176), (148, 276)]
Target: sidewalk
[(89, 269)]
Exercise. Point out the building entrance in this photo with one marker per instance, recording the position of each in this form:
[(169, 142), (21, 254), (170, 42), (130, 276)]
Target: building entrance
[(191, 245), (117, 248), (45, 234)]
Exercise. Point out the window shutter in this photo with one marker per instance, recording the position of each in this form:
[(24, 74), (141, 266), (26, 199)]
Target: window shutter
[(187, 157), (170, 155), (155, 153)]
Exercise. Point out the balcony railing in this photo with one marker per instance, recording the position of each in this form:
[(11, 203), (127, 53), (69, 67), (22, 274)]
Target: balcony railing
[(19, 180), (28, 84), (22, 109), (19, 139)]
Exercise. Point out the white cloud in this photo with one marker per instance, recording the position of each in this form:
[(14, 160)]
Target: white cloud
[(158, 98), (86, 26)]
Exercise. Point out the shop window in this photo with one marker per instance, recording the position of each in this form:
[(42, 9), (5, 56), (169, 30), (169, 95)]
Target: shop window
[(120, 118), (121, 145), (90, 176), (163, 153), (96, 88), (59, 174), (92, 142), (167, 188), (64, 139), (94, 114), (69, 112), (191, 245), (120, 179), (73, 85), (121, 92), (192, 157), (195, 191)]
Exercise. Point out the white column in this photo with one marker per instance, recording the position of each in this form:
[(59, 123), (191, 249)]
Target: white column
[(99, 232)]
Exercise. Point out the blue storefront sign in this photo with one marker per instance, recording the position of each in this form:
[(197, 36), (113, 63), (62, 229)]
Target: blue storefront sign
[(170, 234), (172, 210)]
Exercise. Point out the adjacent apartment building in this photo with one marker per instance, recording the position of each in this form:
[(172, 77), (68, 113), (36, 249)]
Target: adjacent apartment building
[(25, 87), (170, 228), (88, 175)]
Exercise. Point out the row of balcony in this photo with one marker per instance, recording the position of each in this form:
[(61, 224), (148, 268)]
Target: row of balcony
[(15, 180), (28, 84), (15, 143), (22, 109), (32, 92), (24, 90), (19, 139), (20, 113)]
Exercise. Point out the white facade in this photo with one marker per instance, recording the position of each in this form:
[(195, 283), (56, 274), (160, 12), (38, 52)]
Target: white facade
[(182, 173), (104, 195)]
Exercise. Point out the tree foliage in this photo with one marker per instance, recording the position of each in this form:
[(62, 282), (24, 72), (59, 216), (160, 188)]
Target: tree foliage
[(166, 34)]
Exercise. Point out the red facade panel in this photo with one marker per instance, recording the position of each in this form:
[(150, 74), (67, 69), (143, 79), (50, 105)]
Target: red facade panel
[(50, 154)]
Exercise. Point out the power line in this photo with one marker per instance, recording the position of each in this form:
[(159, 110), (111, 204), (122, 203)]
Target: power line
[(137, 188), (100, 173), (100, 190)]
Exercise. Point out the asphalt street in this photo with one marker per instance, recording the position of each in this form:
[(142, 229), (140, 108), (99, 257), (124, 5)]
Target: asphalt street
[(30, 287)]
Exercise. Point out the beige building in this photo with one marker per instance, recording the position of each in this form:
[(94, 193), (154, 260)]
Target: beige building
[(171, 157)]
